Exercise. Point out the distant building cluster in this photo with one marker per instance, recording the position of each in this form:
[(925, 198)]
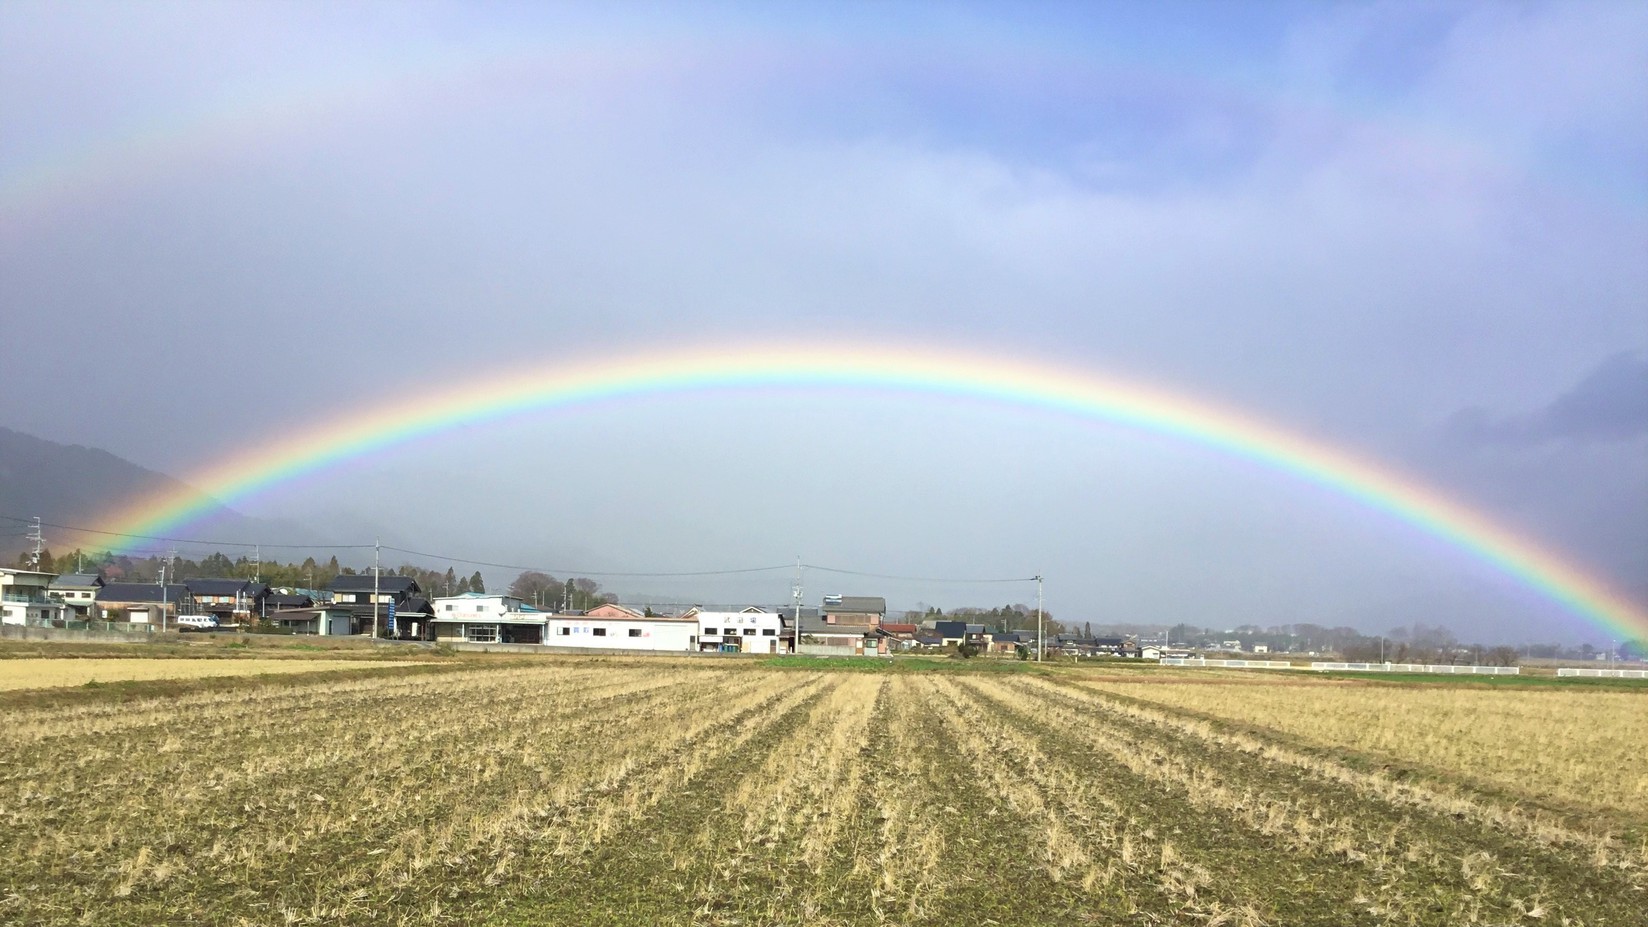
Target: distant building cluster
[(396, 607)]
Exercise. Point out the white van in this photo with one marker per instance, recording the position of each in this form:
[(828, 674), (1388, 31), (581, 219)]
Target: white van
[(196, 623)]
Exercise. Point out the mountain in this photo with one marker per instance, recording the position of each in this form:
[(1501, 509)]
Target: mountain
[(77, 487)]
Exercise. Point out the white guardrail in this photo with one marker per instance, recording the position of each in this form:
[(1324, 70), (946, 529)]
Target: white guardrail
[(1363, 667), (1227, 664), (1449, 668), (1603, 673)]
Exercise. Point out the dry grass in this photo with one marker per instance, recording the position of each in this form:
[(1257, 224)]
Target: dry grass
[(46, 673), (726, 793), (1575, 748)]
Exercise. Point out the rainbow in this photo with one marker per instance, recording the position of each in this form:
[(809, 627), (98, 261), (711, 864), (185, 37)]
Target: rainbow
[(901, 368)]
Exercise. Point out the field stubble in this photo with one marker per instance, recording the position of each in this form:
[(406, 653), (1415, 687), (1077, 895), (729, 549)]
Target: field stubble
[(616, 794)]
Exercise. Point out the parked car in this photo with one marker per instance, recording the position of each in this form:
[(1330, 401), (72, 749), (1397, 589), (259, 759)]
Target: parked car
[(196, 623)]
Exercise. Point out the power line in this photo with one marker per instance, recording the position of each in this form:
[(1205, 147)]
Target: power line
[(516, 566), (917, 579), (254, 545), (197, 541)]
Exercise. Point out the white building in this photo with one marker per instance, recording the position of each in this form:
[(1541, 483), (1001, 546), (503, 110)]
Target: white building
[(616, 628), (24, 597), (480, 618), (749, 631)]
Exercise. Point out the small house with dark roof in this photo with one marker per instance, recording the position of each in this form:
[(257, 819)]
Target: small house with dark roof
[(412, 619), (323, 620), (230, 601), (144, 603), (282, 601), (77, 592)]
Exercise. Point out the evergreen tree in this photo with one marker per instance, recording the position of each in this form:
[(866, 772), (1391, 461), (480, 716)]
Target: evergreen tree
[(476, 584)]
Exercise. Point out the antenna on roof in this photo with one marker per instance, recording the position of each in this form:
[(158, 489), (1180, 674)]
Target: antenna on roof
[(39, 540)]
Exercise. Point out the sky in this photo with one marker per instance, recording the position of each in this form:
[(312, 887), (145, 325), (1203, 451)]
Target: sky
[(1413, 232)]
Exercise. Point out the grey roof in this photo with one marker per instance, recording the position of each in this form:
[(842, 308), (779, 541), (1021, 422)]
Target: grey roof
[(224, 586), (281, 600), (77, 580), (142, 592), (857, 604), (362, 582), (416, 605)]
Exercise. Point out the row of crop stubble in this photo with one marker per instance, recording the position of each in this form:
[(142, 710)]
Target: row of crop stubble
[(629, 794)]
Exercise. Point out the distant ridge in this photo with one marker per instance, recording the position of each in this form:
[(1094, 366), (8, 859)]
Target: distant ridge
[(68, 484)]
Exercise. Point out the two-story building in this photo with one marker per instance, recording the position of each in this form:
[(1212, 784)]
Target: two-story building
[(484, 618), (368, 598), (753, 630), (25, 597), (230, 601), (854, 610)]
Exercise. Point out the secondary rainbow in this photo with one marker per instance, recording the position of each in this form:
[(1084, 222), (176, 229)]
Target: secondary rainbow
[(902, 368)]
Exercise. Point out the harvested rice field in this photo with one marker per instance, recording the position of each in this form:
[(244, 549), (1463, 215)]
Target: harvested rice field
[(46, 673), (608, 793)]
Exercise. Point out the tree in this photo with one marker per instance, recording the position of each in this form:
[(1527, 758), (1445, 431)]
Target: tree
[(476, 583), (535, 587)]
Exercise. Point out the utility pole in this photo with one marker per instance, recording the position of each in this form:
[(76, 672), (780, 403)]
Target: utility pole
[(795, 620), (257, 562), (1041, 636), (377, 549), (163, 565)]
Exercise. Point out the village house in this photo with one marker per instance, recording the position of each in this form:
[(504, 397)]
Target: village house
[(487, 618), (145, 603), (230, 601), (286, 600), (355, 591), (411, 620), (819, 635), (25, 597), (77, 592), (854, 610), (900, 636), (324, 620), (1009, 642)]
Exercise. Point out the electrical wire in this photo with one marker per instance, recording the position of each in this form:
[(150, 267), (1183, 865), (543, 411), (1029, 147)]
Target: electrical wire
[(914, 579), (513, 566), (817, 568)]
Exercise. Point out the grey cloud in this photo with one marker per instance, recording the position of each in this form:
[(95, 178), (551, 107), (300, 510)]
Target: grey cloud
[(1609, 404)]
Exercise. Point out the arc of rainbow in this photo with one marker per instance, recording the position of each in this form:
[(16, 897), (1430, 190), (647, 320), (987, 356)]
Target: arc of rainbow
[(917, 370)]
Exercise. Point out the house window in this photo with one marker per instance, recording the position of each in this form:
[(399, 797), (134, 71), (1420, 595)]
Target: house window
[(748, 631), (769, 632), (600, 632), (450, 607), (634, 632), (709, 631), (563, 630), (482, 633)]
